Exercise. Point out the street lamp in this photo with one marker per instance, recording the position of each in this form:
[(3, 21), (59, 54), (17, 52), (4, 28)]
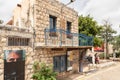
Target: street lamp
[(71, 1)]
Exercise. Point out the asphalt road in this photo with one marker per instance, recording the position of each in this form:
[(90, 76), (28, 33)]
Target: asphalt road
[(110, 73)]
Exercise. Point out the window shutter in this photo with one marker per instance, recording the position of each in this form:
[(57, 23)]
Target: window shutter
[(63, 63), (56, 62)]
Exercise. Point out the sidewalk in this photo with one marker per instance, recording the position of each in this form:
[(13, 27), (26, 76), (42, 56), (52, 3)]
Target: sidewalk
[(79, 76), (106, 64)]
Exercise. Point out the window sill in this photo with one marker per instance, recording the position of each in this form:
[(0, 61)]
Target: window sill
[(53, 34), (70, 36)]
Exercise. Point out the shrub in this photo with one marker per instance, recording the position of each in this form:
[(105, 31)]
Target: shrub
[(101, 56), (43, 72)]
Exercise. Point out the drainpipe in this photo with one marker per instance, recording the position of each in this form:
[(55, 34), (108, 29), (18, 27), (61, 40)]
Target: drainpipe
[(32, 24), (34, 34)]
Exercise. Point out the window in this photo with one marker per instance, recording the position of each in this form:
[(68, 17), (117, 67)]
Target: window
[(59, 63), (17, 41), (68, 27), (52, 25), (52, 22), (69, 35)]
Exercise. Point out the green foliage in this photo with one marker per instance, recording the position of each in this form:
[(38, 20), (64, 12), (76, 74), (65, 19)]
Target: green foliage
[(101, 56), (97, 41), (90, 27), (107, 32), (116, 42), (43, 72)]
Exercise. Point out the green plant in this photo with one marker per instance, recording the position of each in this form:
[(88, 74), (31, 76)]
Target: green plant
[(101, 56), (43, 72)]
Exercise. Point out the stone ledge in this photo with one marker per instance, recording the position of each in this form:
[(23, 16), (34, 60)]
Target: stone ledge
[(14, 28)]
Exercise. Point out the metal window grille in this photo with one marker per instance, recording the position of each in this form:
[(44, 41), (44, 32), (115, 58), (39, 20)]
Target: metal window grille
[(17, 41)]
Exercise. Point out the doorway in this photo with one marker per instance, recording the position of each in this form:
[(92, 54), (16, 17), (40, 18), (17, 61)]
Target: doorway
[(14, 70), (14, 65), (81, 59)]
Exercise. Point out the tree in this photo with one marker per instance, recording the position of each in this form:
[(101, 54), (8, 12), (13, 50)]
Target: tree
[(116, 45), (107, 33), (90, 27), (116, 42)]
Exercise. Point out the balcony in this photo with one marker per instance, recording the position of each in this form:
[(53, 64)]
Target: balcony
[(60, 37), (85, 40)]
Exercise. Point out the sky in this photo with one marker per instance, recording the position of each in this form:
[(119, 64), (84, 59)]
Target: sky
[(6, 8), (100, 10)]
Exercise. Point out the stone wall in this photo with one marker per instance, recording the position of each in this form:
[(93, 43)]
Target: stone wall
[(41, 55), (23, 14), (7, 31), (46, 56), (44, 8), (28, 60), (35, 15)]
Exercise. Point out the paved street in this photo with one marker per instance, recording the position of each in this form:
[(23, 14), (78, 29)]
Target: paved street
[(111, 73)]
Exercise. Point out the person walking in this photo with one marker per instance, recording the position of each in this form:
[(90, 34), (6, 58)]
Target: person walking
[(97, 58)]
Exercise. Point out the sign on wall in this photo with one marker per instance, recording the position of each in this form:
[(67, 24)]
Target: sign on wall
[(14, 55), (14, 65)]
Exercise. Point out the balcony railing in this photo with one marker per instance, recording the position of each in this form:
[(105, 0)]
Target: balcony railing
[(60, 37), (85, 40)]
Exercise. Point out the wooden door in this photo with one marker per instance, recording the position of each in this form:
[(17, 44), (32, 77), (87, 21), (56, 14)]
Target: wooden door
[(14, 70)]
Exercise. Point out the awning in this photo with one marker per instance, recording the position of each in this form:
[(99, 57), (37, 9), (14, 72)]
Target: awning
[(98, 49)]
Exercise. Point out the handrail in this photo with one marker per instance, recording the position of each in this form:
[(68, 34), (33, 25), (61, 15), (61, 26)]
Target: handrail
[(60, 37)]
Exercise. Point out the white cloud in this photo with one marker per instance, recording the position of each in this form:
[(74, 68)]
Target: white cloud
[(99, 9), (104, 10), (6, 8)]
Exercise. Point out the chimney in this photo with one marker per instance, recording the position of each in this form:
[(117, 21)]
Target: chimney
[(19, 5)]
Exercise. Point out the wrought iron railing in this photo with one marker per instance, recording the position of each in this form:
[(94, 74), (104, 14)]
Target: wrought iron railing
[(85, 40), (60, 37)]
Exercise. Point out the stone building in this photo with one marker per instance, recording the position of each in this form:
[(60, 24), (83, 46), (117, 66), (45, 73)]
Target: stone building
[(14, 38), (47, 31)]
